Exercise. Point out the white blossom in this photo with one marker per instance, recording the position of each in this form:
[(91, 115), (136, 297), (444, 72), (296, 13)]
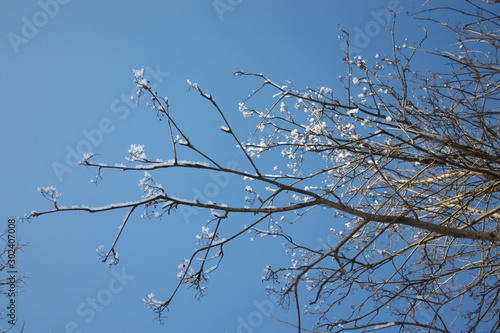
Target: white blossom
[(137, 153), (353, 111)]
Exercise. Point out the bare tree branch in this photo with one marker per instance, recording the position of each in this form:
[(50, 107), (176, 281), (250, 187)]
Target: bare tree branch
[(406, 158)]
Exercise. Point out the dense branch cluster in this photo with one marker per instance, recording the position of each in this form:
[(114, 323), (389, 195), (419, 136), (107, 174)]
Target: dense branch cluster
[(408, 162)]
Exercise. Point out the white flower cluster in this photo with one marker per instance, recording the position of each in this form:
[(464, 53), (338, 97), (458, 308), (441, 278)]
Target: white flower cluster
[(50, 193), (149, 186), (137, 153)]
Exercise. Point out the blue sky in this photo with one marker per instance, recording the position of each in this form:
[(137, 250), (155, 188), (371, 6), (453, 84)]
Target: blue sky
[(66, 81)]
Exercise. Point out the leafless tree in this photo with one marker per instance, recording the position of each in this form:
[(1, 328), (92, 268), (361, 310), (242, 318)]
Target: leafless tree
[(406, 156)]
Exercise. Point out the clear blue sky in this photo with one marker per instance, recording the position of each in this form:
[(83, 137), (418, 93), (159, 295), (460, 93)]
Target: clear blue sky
[(66, 79)]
